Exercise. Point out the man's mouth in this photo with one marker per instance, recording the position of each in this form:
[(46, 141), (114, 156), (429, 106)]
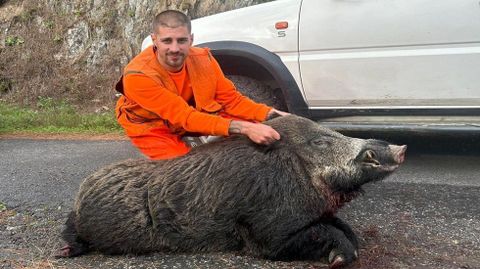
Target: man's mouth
[(175, 57)]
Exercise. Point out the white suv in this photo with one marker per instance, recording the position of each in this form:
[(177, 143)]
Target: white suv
[(356, 65)]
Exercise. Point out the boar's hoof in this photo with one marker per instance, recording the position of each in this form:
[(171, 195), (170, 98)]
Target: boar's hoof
[(64, 252), (336, 259), (69, 251), (336, 262)]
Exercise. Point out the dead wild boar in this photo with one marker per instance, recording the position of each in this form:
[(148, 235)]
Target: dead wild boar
[(277, 202)]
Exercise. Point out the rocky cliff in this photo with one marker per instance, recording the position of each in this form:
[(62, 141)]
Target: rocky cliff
[(74, 50)]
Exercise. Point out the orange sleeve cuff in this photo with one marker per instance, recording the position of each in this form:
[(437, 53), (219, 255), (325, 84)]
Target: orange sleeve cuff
[(223, 126), (262, 112), (207, 124)]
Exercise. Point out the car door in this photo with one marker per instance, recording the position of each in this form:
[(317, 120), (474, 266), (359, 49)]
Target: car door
[(390, 54)]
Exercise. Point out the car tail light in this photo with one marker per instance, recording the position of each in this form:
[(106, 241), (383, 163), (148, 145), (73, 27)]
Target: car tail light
[(281, 25)]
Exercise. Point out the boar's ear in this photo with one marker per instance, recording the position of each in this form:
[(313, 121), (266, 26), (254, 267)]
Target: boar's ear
[(267, 148)]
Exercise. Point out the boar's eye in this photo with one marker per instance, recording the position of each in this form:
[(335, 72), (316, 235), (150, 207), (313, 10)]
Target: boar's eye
[(321, 142)]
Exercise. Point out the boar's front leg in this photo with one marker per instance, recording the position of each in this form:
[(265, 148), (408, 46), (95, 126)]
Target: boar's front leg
[(346, 229), (316, 242)]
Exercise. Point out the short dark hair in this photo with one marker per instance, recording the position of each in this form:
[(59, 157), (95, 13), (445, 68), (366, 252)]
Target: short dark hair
[(171, 19)]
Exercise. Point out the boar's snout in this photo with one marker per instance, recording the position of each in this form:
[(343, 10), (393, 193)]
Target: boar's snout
[(398, 153)]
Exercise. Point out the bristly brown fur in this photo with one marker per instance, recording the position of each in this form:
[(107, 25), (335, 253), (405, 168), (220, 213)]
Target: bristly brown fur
[(277, 202)]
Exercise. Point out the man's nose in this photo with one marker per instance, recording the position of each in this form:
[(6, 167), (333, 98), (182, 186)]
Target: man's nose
[(174, 47)]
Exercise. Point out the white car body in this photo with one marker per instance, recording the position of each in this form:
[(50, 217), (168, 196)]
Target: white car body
[(365, 61)]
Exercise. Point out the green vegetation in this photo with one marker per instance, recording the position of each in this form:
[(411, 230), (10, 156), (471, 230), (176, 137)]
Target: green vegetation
[(51, 116), (3, 207), (77, 13), (57, 39), (5, 85), (131, 13), (13, 40), (49, 24)]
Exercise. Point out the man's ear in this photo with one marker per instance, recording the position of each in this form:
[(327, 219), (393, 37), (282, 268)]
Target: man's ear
[(153, 36), (191, 39)]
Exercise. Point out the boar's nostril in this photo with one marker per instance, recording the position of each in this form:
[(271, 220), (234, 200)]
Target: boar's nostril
[(398, 153)]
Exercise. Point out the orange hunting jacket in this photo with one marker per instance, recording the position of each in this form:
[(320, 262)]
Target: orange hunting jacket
[(150, 98)]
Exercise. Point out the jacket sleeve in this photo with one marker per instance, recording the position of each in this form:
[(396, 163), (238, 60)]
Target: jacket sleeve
[(233, 102), (153, 97)]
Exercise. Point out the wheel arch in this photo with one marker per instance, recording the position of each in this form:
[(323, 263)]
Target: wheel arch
[(247, 59)]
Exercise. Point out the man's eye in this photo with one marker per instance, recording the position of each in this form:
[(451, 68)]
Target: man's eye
[(166, 41), (182, 41)]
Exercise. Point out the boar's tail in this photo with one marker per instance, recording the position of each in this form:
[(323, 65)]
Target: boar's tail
[(75, 245)]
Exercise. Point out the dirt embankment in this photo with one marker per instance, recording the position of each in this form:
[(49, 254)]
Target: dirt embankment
[(75, 50)]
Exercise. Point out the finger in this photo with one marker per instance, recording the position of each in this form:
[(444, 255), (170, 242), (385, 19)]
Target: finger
[(268, 142), (275, 135), (265, 140), (281, 113)]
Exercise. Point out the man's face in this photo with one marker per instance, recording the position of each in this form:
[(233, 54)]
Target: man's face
[(173, 45)]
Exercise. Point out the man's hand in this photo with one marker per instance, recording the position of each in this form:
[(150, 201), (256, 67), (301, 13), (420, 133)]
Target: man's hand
[(274, 111), (257, 132)]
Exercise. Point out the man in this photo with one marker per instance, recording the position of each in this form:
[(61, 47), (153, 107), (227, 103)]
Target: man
[(171, 89)]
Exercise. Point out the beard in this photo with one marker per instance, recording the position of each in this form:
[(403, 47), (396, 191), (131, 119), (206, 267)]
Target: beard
[(175, 60)]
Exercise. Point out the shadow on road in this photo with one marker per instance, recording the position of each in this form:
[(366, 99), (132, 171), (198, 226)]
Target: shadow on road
[(431, 144)]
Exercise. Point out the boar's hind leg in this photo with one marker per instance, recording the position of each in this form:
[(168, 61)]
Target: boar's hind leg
[(316, 242)]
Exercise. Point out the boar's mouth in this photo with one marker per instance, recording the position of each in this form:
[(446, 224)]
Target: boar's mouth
[(386, 168), (371, 161)]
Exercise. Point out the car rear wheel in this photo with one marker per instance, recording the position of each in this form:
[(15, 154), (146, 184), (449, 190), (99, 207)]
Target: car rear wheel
[(259, 91)]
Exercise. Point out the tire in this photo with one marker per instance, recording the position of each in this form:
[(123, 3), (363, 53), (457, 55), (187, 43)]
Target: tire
[(259, 91)]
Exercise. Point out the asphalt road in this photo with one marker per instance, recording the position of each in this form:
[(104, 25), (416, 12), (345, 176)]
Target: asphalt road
[(426, 215)]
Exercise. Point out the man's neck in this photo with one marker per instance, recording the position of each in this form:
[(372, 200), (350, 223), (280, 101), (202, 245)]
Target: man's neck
[(178, 71)]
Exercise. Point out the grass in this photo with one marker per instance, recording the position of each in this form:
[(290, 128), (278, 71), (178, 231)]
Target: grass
[(52, 116)]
